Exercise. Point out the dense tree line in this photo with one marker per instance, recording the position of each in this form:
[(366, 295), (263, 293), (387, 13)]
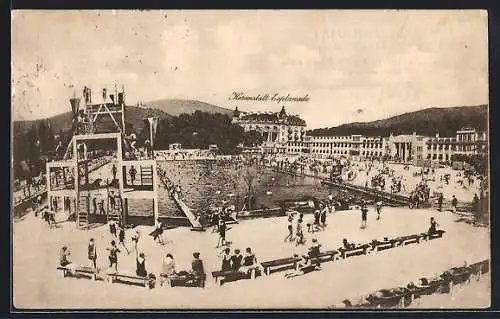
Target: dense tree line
[(30, 150), (201, 129), (479, 161)]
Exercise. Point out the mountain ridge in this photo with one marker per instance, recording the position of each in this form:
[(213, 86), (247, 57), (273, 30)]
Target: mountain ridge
[(429, 121)]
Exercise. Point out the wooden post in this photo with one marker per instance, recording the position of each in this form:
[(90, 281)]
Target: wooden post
[(125, 210), (155, 193)]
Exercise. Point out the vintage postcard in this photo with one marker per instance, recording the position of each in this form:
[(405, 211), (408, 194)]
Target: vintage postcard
[(261, 159)]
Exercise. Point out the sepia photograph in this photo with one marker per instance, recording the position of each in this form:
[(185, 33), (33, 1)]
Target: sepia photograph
[(249, 159)]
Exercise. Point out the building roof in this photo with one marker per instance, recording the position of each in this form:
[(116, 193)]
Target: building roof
[(273, 118)]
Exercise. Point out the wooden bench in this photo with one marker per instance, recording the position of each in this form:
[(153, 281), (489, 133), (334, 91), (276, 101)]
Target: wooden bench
[(356, 251), (228, 276), (458, 275), (187, 281), (382, 245), (437, 234), (406, 240), (79, 271), (129, 279), (399, 297), (280, 264)]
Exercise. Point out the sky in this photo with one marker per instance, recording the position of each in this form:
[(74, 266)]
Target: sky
[(353, 65)]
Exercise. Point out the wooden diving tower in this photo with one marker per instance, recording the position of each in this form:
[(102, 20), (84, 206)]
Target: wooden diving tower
[(103, 121)]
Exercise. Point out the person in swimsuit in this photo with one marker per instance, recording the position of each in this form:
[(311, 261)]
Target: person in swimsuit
[(222, 233), (378, 207), (92, 253), (236, 260), (299, 233), (113, 255), (135, 238), (364, 212), (158, 231), (432, 228), (121, 237), (289, 237), (226, 259), (112, 228), (322, 217), (140, 269)]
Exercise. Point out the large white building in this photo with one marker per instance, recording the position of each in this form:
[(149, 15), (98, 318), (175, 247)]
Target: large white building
[(278, 128), (406, 147)]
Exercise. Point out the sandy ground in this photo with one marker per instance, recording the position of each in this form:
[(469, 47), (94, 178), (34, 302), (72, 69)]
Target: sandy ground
[(462, 194), (37, 283)]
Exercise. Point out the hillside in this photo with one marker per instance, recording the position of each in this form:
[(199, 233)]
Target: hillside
[(428, 122), (133, 115), (178, 106)]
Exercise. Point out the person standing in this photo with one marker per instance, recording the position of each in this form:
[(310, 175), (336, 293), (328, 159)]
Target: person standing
[(92, 253), (112, 228), (322, 217), (158, 233), (475, 204), (113, 255), (378, 207), (364, 212), (135, 238), (222, 233), (440, 202), (114, 171), (132, 172), (289, 237), (299, 233), (121, 238), (454, 203)]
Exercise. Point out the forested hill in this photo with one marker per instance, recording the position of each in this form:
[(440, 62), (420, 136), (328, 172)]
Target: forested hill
[(445, 121), (179, 106)]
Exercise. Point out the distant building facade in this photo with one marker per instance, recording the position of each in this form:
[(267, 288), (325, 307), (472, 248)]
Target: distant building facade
[(405, 147), (278, 129)]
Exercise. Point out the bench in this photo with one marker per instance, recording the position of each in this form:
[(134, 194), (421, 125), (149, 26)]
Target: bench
[(383, 245), (78, 271), (457, 275), (185, 281), (234, 275), (356, 251), (280, 264), (406, 240), (437, 234), (129, 279)]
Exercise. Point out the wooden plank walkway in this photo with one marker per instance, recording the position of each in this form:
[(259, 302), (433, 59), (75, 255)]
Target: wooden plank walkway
[(187, 211)]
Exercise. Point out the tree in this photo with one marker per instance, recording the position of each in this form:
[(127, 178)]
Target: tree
[(252, 138)]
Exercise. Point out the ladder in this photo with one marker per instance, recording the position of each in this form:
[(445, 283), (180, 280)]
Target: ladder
[(82, 214), (114, 212), (147, 175)]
